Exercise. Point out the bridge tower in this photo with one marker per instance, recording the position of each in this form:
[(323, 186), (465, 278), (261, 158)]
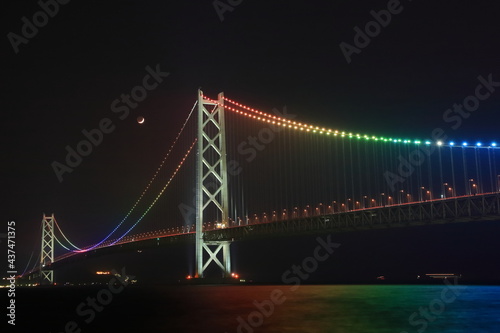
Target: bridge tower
[(47, 253), (212, 197)]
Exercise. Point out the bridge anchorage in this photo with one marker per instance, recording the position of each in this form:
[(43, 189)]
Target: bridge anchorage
[(212, 197)]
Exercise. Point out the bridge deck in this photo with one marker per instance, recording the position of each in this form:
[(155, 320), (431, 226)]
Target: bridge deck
[(481, 207)]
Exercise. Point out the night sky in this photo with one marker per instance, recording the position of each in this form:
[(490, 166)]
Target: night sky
[(266, 54)]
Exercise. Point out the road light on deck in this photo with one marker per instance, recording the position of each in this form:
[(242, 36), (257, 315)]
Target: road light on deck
[(450, 189), (400, 196), (421, 193), (443, 195), (471, 181)]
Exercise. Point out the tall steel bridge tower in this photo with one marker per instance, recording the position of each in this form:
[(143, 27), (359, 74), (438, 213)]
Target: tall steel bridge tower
[(47, 253), (212, 197)]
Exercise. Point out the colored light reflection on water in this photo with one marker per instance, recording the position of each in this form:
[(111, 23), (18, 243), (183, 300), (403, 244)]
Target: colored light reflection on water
[(273, 309)]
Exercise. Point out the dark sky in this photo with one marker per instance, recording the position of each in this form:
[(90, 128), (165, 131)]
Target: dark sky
[(264, 54)]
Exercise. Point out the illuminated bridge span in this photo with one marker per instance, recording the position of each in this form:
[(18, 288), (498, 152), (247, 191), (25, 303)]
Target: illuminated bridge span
[(260, 174)]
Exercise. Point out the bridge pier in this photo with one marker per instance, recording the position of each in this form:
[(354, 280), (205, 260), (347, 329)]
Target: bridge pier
[(213, 249)]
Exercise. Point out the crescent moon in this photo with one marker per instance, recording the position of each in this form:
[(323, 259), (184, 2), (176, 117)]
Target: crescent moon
[(140, 120)]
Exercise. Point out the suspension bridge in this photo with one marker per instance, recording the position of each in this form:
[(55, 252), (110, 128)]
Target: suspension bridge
[(257, 174)]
